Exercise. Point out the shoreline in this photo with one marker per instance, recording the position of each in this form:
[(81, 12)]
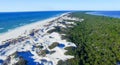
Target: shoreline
[(25, 30), (41, 39)]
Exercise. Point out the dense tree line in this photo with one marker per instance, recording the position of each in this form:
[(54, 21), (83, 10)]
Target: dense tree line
[(97, 39)]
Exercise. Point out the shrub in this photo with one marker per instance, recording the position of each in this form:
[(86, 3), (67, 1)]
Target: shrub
[(54, 44), (21, 62)]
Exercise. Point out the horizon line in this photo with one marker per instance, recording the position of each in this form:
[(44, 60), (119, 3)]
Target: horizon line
[(56, 10)]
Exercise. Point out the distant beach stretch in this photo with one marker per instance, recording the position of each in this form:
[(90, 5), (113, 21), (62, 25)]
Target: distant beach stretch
[(38, 39), (10, 23), (24, 30)]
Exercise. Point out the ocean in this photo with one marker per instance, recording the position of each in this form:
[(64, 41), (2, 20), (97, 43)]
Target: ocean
[(11, 20), (114, 14)]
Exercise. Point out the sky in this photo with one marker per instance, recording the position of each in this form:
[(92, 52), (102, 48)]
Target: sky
[(50, 5)]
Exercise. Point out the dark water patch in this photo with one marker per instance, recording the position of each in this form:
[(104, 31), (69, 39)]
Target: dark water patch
[(1, 61), (32, 34), (27, 56), (5, 45), (44, 61), (61, 45), (118, 63)]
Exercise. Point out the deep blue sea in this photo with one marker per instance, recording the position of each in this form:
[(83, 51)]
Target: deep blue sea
[(115, 14), (11, 20)]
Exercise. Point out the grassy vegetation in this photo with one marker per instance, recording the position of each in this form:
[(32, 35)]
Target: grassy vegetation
[(40, 47), (56, 29), (97, 39), (54, 44), (69, 52), (21, 62), (43, 52), (52, 52)]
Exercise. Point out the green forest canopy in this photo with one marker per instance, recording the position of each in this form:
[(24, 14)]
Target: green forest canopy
[(97, 39)]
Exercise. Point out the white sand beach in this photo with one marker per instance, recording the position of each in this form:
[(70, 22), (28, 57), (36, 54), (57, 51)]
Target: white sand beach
[(29, 37), (24, 30)]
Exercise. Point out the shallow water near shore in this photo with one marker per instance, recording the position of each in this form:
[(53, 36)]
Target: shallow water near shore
[(12, 20)]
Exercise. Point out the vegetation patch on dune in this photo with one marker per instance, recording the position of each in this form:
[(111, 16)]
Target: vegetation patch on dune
[(21, 62), (54, 44)]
